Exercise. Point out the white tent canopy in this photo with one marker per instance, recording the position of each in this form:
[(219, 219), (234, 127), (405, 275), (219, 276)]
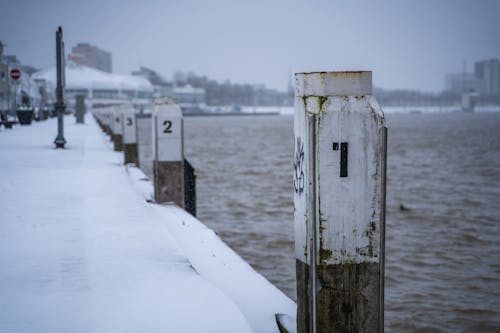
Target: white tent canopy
[(80, 78)]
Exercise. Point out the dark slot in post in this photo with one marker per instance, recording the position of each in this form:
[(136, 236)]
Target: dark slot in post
[(343, 159)]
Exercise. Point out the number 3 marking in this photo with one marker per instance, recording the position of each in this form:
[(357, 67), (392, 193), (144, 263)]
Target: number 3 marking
[(129, 121), (168, 125)]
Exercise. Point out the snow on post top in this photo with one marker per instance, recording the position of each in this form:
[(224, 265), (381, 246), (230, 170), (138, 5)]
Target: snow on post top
[(356, 83)]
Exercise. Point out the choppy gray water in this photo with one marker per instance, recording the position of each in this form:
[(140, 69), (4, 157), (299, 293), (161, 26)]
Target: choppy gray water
[(443, 254)]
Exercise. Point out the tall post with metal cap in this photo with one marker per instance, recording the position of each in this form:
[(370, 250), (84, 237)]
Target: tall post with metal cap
[(60, 141), (339, 182)]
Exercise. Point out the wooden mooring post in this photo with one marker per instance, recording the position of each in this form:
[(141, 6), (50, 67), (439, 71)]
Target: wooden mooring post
[(339, 198), (174, 177), (117, 128), (129, 135), (168, 154), (144, 129), (108, 121)]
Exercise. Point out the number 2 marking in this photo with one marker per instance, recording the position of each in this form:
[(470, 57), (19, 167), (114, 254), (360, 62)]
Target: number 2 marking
[(168, 125)]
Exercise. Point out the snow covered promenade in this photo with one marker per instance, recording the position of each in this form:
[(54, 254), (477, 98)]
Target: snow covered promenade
[(82, 251)]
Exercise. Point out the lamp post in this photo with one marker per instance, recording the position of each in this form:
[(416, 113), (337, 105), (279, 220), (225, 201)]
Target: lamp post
[(60, 141)]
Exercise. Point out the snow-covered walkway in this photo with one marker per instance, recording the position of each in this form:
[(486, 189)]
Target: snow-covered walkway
[(82, 251)]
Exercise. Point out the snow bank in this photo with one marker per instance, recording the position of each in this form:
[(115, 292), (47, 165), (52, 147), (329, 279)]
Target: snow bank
[(81, 251), (256, 297)]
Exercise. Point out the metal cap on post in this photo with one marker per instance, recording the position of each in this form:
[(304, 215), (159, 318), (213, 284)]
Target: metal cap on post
[(339, 199), (168, 154)]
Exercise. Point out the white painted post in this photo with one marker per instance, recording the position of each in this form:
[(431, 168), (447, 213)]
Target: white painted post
[(144, 129), (103, 117), (109, 121), (117, 128), (168, 154), (339, 198), (129, 135)]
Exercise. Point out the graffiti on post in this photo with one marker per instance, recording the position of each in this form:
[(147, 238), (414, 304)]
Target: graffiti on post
[(298, 166)]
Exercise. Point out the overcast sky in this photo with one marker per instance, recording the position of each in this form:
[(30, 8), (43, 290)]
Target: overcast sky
[(407, 44)]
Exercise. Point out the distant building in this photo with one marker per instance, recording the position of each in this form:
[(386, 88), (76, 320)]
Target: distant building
[(488, 71), (190, 99), (162, 88), (91, 56), (460, 82), (14, 92)]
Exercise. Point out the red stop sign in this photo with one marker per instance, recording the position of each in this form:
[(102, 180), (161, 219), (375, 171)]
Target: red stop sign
[(15, 73)]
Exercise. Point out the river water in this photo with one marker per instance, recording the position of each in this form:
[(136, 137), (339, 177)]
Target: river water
[(442, 253)]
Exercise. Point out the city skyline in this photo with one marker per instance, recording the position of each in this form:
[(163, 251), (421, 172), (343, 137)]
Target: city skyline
[(407, 46)]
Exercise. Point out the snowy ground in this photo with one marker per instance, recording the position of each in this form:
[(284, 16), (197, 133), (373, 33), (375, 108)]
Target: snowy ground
[(82, 251)]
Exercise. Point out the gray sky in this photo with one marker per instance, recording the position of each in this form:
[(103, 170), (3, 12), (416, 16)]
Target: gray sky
[(407, 44)]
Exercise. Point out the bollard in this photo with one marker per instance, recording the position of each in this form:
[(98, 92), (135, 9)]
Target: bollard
[(117, 128), (168, 154), (144, 132), (107, 116), (129, 135), (339, 198), (98, 114), (80, 109)]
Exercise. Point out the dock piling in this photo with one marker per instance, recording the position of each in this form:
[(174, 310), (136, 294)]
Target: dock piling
[(117, 128), (339, 198), (129, 135), (168, 154), (144, 132)]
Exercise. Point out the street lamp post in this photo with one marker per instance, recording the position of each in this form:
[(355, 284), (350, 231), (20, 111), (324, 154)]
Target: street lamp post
[(60, 141)]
